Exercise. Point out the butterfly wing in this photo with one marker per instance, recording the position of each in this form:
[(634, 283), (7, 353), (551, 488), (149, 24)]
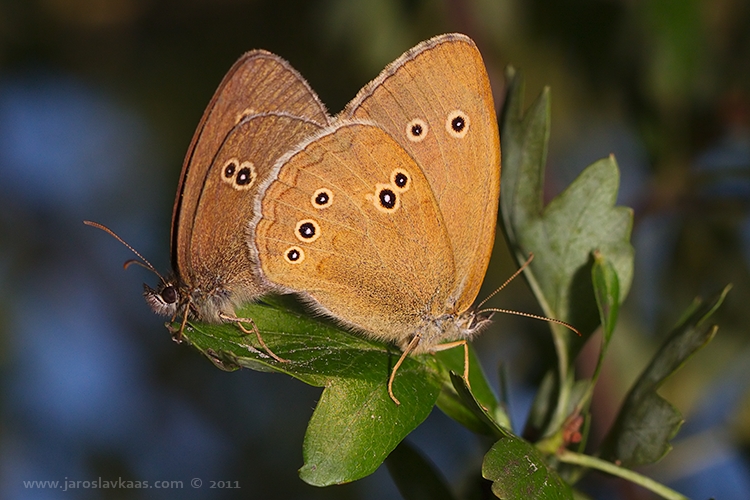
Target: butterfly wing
[(259, 82), (436, 102), (349, 219), (219, 257)]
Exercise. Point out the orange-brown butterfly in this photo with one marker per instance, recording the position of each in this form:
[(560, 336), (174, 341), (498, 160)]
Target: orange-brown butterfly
[(262, 108), (385, 220)]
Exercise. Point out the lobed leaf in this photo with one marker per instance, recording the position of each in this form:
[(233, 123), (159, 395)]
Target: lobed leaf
[(518, 472), (562, 235), (647, 422)]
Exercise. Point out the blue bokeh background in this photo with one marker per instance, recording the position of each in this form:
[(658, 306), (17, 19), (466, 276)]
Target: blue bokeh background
[(98, 102)]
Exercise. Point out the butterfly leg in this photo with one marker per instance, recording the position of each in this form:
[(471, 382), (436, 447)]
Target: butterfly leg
[(177, 334), (255, 330), (409, 348), (451, 345)]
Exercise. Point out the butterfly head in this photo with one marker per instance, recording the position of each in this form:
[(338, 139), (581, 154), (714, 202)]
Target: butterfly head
[(472, 322), (448, 327)]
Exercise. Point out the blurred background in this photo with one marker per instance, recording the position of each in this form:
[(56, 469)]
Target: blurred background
[(98, 102)]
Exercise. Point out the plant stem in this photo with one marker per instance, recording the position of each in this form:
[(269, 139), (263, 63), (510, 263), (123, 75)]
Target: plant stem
[(562, 373), (610, 468)]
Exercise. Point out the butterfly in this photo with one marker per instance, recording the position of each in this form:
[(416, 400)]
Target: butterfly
[(385, 220), (261, 109)]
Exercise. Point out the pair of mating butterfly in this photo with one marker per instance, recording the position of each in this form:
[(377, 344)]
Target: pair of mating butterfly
[(382, 217)]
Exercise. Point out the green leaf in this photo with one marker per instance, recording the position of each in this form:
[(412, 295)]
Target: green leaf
[(479, 411), (355, 424), (516, 468), (316, 350), (647, 422), (415, 477), (562, 235), (607, 293), (451, 403), (518, 472)]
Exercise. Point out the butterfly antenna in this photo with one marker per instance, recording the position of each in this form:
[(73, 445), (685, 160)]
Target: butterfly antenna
[(534, 316), (514, 276), (143, 262), (519, 313)]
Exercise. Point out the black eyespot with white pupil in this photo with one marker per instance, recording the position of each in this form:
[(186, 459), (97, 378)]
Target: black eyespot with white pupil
[(458, 123), (239, 175), (293, 255), (400, 179), (307, 230), (387, 198), (244, 176), (416, 130), (322, 198)]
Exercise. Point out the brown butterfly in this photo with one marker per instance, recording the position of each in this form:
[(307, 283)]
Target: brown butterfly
[(386, 219), (261, 109)]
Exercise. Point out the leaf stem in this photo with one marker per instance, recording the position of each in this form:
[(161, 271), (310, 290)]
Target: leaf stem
[(570, 457), (563, 394)]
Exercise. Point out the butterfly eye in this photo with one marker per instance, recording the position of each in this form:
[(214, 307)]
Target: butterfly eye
[(416, 130), (294, 255), (401, 180), (162, 301), (307, 230), (322, 198), (169, 294), (457, 124)]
